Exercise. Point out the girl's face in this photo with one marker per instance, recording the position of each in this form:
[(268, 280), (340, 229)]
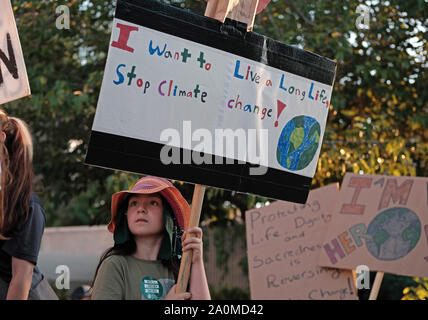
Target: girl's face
[(145, 215)]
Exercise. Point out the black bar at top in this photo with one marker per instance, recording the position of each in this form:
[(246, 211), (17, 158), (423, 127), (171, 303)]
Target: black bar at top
[(210, 32)]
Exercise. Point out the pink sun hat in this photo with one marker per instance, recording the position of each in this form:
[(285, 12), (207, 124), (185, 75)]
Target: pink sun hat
[(149, 185)]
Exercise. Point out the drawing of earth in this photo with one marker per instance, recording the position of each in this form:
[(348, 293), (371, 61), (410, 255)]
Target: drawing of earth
[(395, 232), (298, 143)]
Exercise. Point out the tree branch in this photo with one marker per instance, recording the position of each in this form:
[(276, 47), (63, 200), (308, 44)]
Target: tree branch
[(293, 5)]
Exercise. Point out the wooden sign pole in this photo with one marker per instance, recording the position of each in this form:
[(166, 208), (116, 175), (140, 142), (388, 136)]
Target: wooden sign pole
[(186, 259), (376, 286)]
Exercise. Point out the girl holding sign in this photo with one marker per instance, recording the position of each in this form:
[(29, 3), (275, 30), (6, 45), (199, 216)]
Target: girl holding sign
[(147, 224), (22, 218)]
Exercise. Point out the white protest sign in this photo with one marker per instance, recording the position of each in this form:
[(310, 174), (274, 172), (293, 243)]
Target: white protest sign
[(165, 81), (13, 75), (177, 81)]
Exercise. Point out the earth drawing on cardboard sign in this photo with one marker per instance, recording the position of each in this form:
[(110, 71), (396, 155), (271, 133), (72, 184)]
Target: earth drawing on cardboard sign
[(298, 143), (394, 233)]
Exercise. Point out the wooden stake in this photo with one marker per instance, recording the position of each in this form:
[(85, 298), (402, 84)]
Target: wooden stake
[(186, 259), (376, 286)]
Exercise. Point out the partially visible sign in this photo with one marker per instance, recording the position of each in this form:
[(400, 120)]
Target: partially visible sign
[(244, 11), (380, 222), (13, 75), (262, 5), (284, 241)]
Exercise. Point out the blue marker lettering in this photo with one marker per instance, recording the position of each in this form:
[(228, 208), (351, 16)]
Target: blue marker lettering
[(237, 75), (152, 51), (119, 74)]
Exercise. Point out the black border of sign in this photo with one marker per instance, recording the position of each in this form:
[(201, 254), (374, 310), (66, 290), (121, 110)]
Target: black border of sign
[(226, 37), (133, 155)]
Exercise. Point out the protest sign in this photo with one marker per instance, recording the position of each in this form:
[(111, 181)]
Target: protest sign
[(242, 11), (284, 241), (189, 98), (380, 222), (13, 75), (245, 12), (262, 5)]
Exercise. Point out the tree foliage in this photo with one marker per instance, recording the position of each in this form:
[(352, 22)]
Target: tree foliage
[(417, 292), (65, 69)]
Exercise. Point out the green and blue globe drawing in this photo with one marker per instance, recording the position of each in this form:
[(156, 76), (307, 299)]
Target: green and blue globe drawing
[(298, 143), (394, 233)]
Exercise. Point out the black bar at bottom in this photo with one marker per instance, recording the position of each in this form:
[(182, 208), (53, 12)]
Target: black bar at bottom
[(138, 156)]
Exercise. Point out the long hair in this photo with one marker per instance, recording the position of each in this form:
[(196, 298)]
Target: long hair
[(130, 246), (16, 156)]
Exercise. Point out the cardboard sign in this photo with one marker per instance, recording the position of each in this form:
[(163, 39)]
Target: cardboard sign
[(284, 241), (262, 5), (245, 12), (188, 98), (13, 75), (380, 222), (219, 9), (242, 11)]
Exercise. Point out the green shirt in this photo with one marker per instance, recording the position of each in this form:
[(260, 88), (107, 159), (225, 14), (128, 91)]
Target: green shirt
[(130, 278)]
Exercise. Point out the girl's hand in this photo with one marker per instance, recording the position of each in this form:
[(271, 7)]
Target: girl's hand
[(177, 296), (193, 243)]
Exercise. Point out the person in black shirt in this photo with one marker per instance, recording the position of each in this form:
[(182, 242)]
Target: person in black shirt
[(22, 217)]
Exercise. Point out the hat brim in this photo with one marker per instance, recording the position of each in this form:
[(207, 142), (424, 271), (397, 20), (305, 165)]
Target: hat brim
[(178, 204)]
